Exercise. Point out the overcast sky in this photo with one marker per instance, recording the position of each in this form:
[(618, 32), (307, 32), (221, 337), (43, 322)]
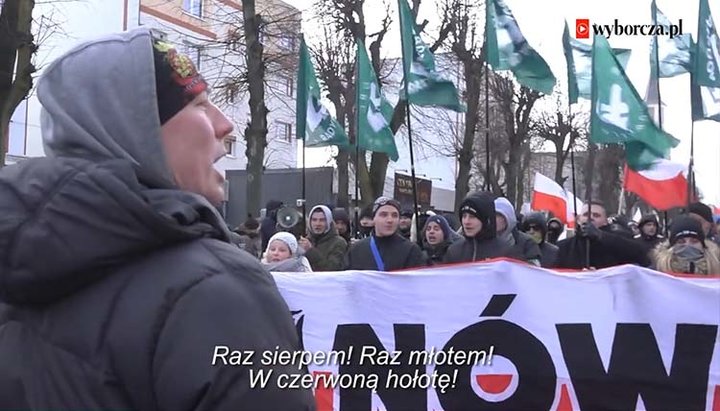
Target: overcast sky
[(542, 23)]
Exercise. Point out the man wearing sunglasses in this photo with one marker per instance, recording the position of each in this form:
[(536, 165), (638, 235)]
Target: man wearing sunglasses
[(535, 225)]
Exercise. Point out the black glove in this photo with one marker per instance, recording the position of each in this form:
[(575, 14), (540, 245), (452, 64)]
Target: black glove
[(588, 230)]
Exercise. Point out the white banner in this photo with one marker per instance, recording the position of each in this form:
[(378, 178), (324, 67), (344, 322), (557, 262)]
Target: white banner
[(507, 336)]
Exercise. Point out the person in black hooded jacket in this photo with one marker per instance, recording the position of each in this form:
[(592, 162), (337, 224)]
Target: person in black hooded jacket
[(535, 225), (437, 237), (119, 287), (385, 249), (268, 225), (480, 242)]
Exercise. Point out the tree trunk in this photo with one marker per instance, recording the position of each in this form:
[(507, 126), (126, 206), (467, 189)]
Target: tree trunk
[(256, 131), (608, 170), (16, 50), (465, 155), (525, 164), (559, 165)]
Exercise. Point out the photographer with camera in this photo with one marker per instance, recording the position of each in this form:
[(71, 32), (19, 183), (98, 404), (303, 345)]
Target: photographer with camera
[(606, 248)]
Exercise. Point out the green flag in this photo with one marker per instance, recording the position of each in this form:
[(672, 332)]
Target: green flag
[(705, 77), (707, 55), (578, 57), (425, 85), (314, 123), (507, 49), (374, 111), (619, 115), (672, 54), (573, 91), (705, 102)]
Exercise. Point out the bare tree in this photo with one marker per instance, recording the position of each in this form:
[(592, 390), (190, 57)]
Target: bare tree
[(565, 132), (256, 131), (465, 40), (346, 20), (17, 47), (254, 59), (515, 105)]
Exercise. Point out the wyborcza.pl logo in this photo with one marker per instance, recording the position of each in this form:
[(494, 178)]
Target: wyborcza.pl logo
[(582, 29)]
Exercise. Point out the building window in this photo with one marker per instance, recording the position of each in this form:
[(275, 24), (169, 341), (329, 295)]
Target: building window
[(159, 34), (17, 130), (289, 84), (231, 146), (193, 7), (284, 131), (195, 53), (287, 42)]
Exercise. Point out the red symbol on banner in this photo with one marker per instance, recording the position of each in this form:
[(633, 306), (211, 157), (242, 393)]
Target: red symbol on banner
[(323, 392), (582, 28), (494, 383), (716, 400), (565, 404)]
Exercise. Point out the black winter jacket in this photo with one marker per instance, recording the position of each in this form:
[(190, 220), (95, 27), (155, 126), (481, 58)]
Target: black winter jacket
[(610, 251), (397, 253), (114, 296)]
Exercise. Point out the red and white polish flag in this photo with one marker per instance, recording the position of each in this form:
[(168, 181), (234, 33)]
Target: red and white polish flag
[(663, 186), (550, 196)]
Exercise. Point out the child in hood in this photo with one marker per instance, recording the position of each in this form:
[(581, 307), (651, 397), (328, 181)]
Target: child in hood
[(283, 255)]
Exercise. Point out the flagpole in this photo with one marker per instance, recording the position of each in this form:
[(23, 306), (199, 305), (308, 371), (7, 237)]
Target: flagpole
[(691, 166), (410, 140), (487, 121), (357, 148), (304, 211), (657, 68), (657, 86), (572, 165)]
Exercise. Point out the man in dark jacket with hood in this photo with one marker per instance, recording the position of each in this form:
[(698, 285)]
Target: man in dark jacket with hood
[(606, 248), (535, 225), (119, 288), (325, 249), (342, 223), (385, 249), (477, 215), (649, 232), (436, 237), (554, 230), (268, 225), (522, 245)]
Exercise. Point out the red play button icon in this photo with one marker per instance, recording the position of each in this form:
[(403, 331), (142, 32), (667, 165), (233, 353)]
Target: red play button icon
[(582, 28)]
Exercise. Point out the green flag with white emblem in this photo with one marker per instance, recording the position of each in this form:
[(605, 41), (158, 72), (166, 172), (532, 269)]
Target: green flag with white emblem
[(619, 115), (425, 85), (315, 125), (673, 54), (707, 57), (507, 49), (374, 111), (705, 77), (578, 57)]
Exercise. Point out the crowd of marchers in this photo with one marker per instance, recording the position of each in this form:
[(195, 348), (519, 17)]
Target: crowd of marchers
[(384, 237)]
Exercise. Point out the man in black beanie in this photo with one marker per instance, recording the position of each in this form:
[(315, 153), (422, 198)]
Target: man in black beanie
[(702, 213), (687, 251), (649, 235), (385, 249), (477, 215)]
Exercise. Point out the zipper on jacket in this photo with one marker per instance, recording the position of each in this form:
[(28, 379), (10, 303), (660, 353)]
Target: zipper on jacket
[(474, 249)]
